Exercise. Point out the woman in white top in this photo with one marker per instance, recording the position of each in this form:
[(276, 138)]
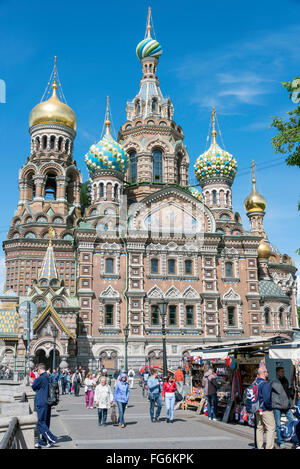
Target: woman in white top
[(103, 400), (89, 390)]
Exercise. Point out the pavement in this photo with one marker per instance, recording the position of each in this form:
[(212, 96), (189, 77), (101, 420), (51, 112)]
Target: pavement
[(77, 428)]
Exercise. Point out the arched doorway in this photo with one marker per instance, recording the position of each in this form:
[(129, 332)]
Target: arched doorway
[(108, 360), (155, 358), (41, 357)]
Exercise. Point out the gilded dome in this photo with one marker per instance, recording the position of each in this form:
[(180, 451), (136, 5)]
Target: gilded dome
[(263, 250), (53, 111), (255, 202)]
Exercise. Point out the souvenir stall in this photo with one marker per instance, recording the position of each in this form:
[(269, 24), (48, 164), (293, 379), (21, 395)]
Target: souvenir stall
[(195, 398), (288, 351)]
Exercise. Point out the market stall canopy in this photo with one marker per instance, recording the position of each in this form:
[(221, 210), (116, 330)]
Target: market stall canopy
[(289, 350), (212, 354)]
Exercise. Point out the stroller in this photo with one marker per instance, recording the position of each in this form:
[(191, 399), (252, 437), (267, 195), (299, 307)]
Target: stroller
[(291, 430)]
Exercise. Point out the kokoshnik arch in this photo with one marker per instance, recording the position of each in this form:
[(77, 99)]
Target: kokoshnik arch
[(134, 232)]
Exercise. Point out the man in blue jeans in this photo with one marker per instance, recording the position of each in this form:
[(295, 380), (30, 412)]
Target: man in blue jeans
[(209, 383), (281, 394), (41, 386), (154, 395)]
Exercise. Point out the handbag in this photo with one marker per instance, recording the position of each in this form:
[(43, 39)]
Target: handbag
[(113, 415), (178, 396)]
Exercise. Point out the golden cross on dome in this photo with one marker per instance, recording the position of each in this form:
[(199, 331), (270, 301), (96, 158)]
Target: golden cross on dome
[(253, 165), (107, 121), (148, 22), (213, 132)]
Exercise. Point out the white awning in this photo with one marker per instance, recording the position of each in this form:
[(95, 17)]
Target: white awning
[(290, 350), (216, 353)]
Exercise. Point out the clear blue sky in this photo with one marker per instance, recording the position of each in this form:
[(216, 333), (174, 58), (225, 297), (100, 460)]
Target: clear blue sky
[(227, 54)]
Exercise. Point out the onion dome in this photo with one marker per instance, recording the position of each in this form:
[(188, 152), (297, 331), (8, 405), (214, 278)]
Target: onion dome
[(148, 47), (255, 202), (53, 111), (215, 162), (106, 154), (195, 193), (263, 250)]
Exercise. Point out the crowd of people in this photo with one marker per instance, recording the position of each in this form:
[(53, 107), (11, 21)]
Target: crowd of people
[(104, 392)]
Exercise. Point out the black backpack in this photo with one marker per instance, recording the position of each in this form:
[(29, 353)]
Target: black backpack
[(53, 394)]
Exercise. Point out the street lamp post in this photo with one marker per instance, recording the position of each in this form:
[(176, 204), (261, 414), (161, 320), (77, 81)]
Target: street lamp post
[(163, 312), (54, 335), (126, 334)]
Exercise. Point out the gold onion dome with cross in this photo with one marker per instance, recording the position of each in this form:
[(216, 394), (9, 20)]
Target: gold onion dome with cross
[(255, 202), (53, 110)]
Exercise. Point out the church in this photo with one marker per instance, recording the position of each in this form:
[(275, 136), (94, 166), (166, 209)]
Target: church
[(97, 257)]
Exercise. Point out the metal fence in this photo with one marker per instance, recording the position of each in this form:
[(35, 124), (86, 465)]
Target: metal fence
[(10, 441)]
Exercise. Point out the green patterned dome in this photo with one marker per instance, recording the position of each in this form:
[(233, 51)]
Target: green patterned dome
[(215, 163)]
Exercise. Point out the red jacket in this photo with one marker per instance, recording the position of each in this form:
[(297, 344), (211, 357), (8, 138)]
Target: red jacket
[(168, 387)]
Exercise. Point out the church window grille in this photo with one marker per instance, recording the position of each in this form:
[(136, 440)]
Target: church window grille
[(172, 315), (231, 316), (154, 266), (109, 266), (154, 315), (157, 165), (214, 193), (109, 315), (171, 266), (190, 315), (101, 190)]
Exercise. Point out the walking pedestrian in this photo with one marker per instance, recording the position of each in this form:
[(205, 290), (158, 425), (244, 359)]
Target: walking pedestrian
[(179, 379), (168, 394), (63, 380), (154, 396), (281, 394), (69, 382), (76, 382), (145, 377), (209, 384), (104, 374), (103, 400), (89, 390), (41, 386), (265, 416), (131, 375), (121, 397)]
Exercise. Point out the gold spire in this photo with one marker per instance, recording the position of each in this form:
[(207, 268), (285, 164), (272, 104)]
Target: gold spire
[(51, 233), (255, 202), (213, 132), (107, 121), (148, 23)]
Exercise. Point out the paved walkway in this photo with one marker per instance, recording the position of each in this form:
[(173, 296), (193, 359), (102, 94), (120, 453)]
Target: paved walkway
[(77, 427)]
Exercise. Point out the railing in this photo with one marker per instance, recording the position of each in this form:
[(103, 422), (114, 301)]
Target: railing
[(10, 376), (10, 441)]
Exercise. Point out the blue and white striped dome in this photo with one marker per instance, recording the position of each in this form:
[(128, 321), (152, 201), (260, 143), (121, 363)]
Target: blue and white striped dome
[(148, 48)]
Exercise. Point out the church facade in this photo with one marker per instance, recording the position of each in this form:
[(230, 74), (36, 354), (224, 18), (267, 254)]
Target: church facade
[(135, 233)]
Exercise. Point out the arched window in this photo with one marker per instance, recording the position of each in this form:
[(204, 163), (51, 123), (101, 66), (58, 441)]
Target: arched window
[(228, 269), (116, 191), (171, 266), (137, 107), (67, 146), (157, 165), (178, 170), (190, 315), (67, 236), (52, 142), (132, 167), (188, 267), (281, 317), (38, 143), (50, 187), (154, 104), (267, 316), (214, 194), (60, 144), (58, 220), (30, 235), (44, 142), (109, 315), (154, 315), (101, 190), (231, 316), (109, 265), (41, 219), (154, 266)]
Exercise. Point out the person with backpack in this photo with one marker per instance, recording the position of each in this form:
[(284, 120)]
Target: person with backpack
[(264, 415), (121, 397), (76, 382), (145, 377), (131, 375), (281, 394), (41, 387), (209, 384), (154, 395)]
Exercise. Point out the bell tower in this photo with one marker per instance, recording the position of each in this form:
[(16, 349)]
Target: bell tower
[(153, 141)]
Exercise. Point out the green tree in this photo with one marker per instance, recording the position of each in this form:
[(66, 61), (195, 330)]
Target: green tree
[(287, 140)]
